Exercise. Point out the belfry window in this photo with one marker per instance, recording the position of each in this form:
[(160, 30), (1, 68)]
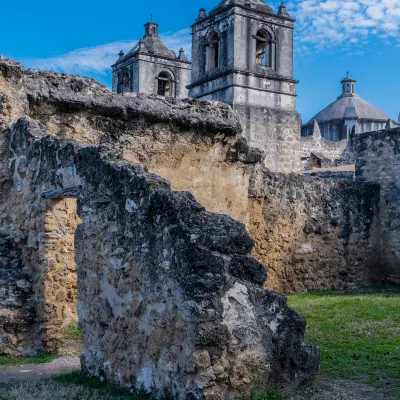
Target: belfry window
[(165, 85), (125, 83), (263, 49), (212, 51)]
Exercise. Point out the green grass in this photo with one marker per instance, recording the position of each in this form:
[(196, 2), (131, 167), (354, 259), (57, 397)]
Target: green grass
[(72, 386), (90, 384), (358, 333), (72, 332), (7, 361)]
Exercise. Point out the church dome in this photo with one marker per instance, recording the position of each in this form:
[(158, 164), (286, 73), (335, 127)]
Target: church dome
[(353, 107), (350, 106), (258, 5), (349, 113)]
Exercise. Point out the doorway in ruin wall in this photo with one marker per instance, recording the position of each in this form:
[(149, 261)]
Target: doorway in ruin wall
[(60, 280)]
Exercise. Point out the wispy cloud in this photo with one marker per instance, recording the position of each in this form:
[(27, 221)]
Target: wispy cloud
[(322, 25), (97, 60)]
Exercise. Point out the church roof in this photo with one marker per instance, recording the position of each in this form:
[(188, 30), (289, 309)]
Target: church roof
[(154, 46), (151, 44), (349, 106), (258, 5)]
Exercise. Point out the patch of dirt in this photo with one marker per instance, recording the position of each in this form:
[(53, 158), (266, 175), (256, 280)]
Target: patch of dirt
[(30, 372), (338, 389), (70, 348)]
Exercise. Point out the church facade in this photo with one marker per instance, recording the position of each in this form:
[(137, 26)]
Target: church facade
[(242, 55)]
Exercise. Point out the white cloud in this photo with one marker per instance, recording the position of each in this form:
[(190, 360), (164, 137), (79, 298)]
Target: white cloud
[(329, 24), (322, 25), (98, 60)]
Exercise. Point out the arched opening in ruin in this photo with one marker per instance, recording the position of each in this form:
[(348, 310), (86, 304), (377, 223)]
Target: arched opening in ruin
[(263, 49), (60, 280), (166, 85), (212, 51)]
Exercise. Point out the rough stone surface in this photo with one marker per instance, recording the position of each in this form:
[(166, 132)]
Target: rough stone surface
[(310, 233), (169, 298), (16, 302), (341, 175), (379, 161), (314, 234)]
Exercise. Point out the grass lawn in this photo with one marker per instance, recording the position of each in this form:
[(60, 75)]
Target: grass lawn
[(358, 333)]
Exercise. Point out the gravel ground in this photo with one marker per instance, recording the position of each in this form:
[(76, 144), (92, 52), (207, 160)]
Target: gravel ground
[(32, 372)]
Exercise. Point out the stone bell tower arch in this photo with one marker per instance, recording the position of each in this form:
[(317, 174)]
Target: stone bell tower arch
[(254, 74)]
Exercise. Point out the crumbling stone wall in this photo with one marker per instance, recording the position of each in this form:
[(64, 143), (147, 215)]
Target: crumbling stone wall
[(17, 311), (43, 228), (314, 234), (193, 144), (169, 297), (330, 154), (197, 147), (378, 160), (61, 288)]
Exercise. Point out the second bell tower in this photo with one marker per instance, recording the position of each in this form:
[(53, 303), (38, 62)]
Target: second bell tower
[(243, 56)]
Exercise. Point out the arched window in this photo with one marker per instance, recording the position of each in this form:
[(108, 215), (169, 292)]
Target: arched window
[(153, 30), (166, 85), (263, 49), (212, 51), (125, 83)]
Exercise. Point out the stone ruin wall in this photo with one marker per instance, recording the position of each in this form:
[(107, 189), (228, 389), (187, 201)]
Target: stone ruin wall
[(314, 234), (331, 154), (312, 245), (379, 161), (169, 297)]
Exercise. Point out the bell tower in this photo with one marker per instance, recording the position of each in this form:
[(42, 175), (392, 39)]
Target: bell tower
[(243, 56)]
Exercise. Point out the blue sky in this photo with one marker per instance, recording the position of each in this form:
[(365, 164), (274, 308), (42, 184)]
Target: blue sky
[(332, 36)]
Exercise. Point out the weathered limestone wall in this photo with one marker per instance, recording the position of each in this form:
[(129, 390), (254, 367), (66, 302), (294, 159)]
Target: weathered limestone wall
[(193, 144), (43, 229), (60, 287), (17, 312), (275, 131), (314, 234), (330, 154), (169, 297), (378, 160)]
